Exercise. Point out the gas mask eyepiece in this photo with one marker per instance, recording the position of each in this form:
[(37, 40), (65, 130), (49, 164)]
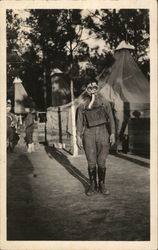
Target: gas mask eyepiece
[(92, 88)]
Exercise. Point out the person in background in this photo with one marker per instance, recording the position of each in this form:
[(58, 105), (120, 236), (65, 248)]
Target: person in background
[(12, 137), (93, 114), (136, 114), (29, 127), (60, 88)]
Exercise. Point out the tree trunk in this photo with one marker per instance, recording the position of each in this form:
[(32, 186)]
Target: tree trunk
[(44, 79)]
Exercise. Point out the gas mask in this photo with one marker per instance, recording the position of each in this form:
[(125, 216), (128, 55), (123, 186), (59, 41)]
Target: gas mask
[(92, 88)]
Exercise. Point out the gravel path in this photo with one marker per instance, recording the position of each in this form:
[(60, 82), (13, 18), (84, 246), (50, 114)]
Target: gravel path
[(47, 200)]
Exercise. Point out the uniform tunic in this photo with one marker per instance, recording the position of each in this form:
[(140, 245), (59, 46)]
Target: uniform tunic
[(96, 138)]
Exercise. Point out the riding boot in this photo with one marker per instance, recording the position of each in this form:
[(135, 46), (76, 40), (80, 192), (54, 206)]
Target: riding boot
[(101, 177), (93, 181)]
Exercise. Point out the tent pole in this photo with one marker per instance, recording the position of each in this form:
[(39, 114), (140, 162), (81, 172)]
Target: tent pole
[(73, 117)]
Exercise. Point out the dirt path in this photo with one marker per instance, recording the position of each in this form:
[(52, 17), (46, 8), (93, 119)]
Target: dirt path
[(47, 201)]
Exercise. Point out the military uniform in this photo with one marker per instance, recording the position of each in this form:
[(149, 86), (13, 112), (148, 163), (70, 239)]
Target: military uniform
[(29, 128), (11, 130), (92, 127)]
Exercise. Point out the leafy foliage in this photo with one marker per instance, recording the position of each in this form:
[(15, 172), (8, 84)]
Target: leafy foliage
[(13, 59), (54, 40)]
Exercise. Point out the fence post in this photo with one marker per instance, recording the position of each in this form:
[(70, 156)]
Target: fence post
[(60, 125)]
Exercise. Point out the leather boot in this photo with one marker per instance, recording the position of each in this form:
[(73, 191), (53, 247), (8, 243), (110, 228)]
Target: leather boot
[(101, 176), (93, 181)]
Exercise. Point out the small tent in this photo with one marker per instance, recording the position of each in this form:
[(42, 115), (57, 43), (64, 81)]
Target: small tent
[(19, 96)]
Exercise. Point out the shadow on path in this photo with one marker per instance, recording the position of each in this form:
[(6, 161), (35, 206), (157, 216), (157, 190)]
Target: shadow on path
[(23, 217), (64, 161), (134, 160)]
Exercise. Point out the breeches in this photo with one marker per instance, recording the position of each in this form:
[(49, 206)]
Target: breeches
[(96, 145)]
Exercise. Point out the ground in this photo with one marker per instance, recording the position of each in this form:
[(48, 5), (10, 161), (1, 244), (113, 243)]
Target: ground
[(47, 198)]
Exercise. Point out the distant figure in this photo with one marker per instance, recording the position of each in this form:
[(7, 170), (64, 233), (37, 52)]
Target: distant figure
[(60, 88), (12, 136), (29, 127), (136, 114)]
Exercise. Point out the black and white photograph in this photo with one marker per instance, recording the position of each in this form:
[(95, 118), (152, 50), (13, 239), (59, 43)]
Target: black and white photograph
[(78, 125)]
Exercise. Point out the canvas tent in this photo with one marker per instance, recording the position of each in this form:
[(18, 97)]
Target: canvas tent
[(124, 86), (19, 96), (125, 79), (128, 89)]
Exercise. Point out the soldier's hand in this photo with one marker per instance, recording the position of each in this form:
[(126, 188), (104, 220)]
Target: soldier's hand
[(79, 142), (112, 139)]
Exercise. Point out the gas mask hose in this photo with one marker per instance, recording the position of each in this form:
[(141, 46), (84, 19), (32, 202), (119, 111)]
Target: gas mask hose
[(92, 101)]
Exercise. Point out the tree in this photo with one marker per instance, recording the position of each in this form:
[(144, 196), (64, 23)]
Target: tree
[(56, 38), (114, 26), (13, 57), (32, 76)]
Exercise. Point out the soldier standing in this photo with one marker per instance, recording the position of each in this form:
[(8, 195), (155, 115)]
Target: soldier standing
[(29, 128), (12, 137), (93, 115)]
